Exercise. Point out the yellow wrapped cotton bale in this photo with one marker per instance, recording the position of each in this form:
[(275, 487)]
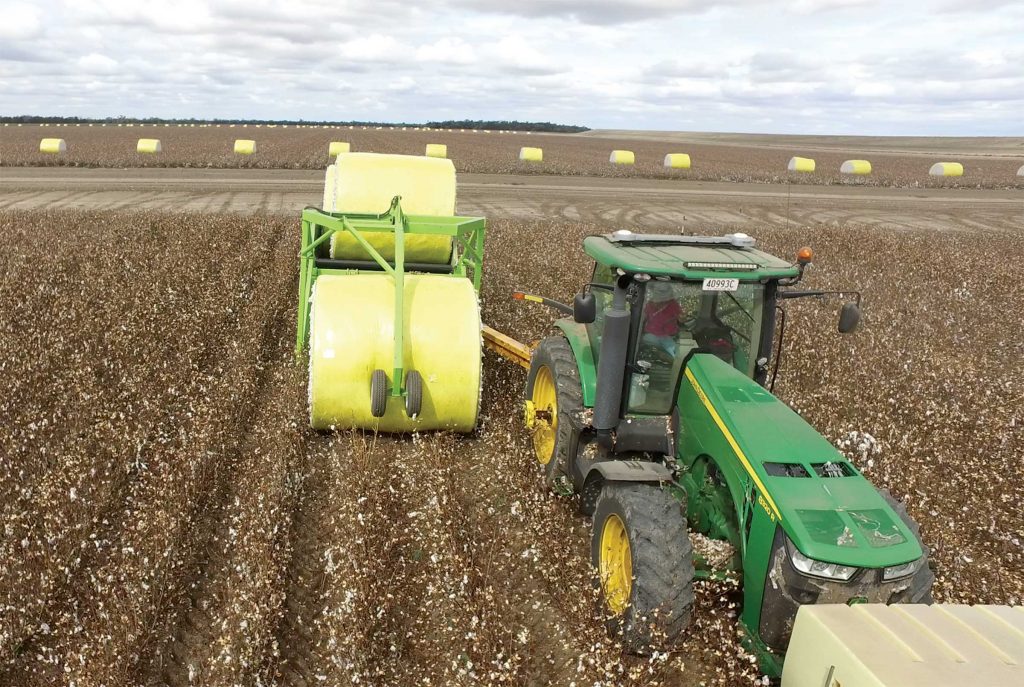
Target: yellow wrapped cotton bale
[(336, 148), (947, 169), (436, 150), (677, 161), (366, 183), (800, 164), (352, 334), (622, 157), (53, 146), (855, 167), (149, 145), (527, 154), (245, 146)]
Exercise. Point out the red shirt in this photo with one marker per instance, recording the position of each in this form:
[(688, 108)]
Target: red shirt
[(662, 318)]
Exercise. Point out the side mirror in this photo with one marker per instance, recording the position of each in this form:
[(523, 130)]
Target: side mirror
[(849, 316), (584, 308)]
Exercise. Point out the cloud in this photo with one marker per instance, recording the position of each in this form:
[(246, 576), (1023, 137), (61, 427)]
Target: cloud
[(847, 66), (94, 63), (20, 22), (592, 11)]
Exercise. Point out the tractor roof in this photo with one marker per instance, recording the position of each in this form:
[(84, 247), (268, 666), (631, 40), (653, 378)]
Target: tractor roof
[(687, 257)]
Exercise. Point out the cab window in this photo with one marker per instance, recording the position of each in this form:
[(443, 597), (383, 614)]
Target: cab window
[(603, 274)]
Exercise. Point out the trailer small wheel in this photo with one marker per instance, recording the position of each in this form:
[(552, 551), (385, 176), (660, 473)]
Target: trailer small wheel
[(378, 393), (643, 558), (413, 393)]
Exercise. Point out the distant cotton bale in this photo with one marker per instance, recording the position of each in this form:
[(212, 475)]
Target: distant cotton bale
[(53, 145), (149, 145), (436, 150), (527, 154), (622, 157), (800, 164), (677, 161), (1020, 172), (855, 167), (947, 169), (245, 146), (337, 148)]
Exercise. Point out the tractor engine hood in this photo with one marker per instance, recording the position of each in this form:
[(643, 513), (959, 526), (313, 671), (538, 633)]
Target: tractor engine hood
[(825, 505)]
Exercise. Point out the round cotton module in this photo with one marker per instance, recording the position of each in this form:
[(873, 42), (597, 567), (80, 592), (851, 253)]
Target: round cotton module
[(366, 183), (800, 164), (436, 150), (149, 145), (855, 167), (336, 148), (53, 146), (352, 334), (947, 169), (245, 146), (527, 154), (677, 161), (622, 157), (1020, 172)]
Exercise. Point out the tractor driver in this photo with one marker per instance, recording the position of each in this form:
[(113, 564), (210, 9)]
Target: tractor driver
[(663, 317)]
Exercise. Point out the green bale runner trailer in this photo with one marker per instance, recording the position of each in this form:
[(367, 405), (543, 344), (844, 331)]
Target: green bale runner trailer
[(653, 404)]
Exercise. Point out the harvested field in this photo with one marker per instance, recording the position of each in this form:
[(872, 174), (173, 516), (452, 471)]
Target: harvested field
[(168, 519), (497, 153)]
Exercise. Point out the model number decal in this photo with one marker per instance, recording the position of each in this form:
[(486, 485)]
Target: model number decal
[(764, 504), (720, 284)]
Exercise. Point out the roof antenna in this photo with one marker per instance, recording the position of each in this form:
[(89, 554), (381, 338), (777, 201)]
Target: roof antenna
[(796, 164)]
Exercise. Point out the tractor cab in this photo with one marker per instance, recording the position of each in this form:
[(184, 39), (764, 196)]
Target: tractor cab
[(684, 294)]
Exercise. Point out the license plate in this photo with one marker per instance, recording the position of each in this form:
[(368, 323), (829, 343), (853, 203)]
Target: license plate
[(718, 284)]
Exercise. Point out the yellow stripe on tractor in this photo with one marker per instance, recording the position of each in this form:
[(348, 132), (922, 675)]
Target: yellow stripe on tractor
[(732, 442)]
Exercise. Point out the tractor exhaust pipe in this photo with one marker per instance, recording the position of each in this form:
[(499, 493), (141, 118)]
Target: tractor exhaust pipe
[(611, 366)]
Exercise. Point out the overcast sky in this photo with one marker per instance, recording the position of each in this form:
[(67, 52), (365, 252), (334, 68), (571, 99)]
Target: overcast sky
[(951, 67)]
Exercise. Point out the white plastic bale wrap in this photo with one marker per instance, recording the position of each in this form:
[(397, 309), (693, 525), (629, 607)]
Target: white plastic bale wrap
[(1020, 172)]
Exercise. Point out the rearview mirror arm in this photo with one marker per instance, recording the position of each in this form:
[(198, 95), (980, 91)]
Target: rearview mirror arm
[(805, 294)]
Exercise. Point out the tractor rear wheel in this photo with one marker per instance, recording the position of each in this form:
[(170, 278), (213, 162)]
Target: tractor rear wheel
[(641, 551), (554, 398)]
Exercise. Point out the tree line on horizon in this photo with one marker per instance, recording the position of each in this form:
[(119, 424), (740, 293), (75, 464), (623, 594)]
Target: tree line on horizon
[(492, 125)]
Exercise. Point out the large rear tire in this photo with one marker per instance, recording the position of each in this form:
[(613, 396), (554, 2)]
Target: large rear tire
[(641, 551), (556, 398)]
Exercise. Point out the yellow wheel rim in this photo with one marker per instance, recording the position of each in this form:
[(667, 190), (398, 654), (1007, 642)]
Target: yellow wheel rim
[(616, 565), (545, 404)]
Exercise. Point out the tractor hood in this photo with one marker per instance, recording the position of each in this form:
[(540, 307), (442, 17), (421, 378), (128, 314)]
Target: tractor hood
[(825, 505)]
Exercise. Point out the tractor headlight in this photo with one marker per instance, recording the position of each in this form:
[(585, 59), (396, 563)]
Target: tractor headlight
[(809, 566), (894, 572)]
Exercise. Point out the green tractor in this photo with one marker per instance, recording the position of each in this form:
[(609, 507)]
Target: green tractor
[(653, 404)]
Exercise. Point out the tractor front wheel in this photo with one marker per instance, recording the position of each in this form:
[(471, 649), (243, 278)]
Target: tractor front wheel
[(644, 562)]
